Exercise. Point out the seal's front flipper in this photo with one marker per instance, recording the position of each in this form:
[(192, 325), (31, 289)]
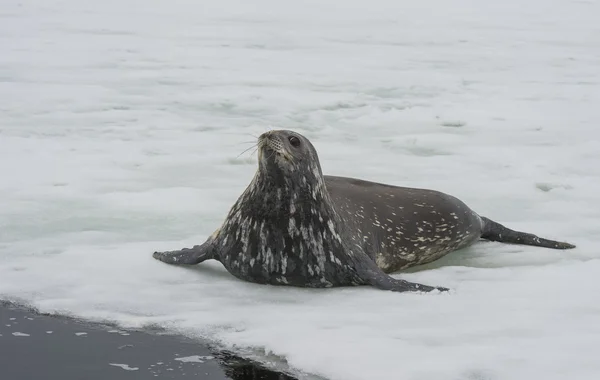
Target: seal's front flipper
[(497, 232), (374, 276), (389, 283), (187, 256)]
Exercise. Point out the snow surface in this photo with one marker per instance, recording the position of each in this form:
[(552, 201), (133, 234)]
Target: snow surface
[(121, 123)]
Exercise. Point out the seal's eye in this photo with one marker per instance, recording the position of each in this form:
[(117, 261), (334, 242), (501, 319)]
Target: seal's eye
[(295, 141)]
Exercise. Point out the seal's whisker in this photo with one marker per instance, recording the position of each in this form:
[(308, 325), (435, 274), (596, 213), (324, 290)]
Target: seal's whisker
[(245, 150)]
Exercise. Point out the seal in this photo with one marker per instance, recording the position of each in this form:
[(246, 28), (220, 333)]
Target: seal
[(294, 226)]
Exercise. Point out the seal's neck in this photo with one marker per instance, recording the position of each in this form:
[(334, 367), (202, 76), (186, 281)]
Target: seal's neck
[(302, 195), (285, 229)]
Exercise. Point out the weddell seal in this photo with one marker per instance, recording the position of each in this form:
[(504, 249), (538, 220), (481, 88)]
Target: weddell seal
[(294, 226)]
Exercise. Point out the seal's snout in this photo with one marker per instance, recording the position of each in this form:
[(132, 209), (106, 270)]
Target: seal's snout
[(269, 136), (265, 136), (271, 141)]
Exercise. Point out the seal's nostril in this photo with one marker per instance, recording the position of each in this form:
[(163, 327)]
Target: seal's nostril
[(266, 135)]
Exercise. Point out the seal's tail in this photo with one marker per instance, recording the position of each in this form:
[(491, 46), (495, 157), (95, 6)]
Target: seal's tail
[(497, 232)]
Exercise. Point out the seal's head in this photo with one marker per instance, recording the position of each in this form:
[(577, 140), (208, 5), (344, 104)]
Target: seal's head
[(287, 152)]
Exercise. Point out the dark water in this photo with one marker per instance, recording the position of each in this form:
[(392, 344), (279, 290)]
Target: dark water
[(35, 346)]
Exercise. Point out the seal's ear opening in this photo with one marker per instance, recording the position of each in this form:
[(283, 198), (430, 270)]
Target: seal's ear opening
[(294, 141)]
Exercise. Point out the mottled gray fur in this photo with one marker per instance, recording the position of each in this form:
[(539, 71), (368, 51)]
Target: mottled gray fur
[(294, 226)]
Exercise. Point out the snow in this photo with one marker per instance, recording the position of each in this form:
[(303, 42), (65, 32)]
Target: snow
[(121, 123)]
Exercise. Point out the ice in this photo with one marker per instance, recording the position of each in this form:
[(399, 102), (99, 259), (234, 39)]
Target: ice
[(194, 359), (121, 124), (126, 367)]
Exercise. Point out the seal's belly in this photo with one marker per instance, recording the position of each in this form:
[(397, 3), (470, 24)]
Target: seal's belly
[(403, 227)]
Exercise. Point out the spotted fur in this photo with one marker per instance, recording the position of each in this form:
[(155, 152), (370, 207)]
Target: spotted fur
[(294, 226)]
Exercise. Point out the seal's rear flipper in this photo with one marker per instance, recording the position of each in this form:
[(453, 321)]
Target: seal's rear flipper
[(187, 256), (497, 232)]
